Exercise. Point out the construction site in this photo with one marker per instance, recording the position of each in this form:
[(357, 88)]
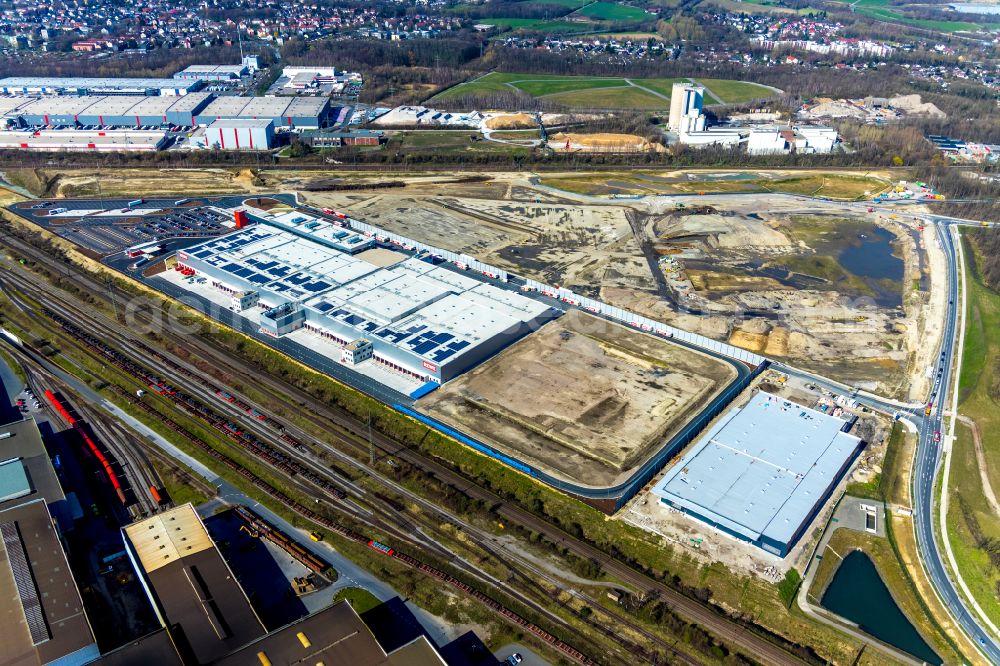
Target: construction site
[(583, 399), (696, 249)]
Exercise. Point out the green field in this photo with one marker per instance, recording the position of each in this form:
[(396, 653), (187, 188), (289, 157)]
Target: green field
[(542, 25), (883, 10), (611, 11), (761, 7), (624, 97), (362, 600), (969, 510), (571, 4), (602, 92), (735, 92)]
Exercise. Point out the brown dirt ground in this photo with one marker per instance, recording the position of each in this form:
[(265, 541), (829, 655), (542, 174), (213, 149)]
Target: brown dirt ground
[(511, 121), (582, 398), (755, 342), (604, 143)]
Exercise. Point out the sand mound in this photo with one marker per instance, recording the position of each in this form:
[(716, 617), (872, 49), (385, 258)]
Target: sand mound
[(913, 106), (511, 121), (777, 342), (755, 342), (603, 143)]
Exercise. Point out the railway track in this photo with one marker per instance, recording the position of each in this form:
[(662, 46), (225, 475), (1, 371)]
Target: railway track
[(349, 432), (129, 458), (460, 564)]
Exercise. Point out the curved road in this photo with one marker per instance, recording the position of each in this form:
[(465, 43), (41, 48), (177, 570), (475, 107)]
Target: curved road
[(928, 459), (928, 456)]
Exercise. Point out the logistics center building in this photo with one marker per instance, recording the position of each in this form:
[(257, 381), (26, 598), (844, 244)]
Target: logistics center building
[(65, 85), (762, 473), (423, 319), (196, 108)]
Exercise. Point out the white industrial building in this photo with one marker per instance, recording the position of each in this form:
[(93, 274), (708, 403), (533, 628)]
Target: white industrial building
[(104, 140), (686, 102), (815, 139), (62, 85), (212, 73), (768, 141), (720, 136), (237, 134)]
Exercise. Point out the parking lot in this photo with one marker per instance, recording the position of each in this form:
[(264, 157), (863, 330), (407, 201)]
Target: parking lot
[(109, 226)]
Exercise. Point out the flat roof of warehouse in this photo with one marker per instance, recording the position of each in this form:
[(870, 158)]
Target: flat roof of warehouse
[(88, 82), (42, 618), (52, 106), (212, 69), (761, 470), (74, 138), (307, 106), (225, 106), (189, 102), (12, 103), (193, 584), (25, 445), (155, 105), (266, 106), (113, 105), (431, 310)]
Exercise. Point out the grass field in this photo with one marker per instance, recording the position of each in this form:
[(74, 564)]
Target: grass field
[(760, 7), (542, 25), (735, 92), (627, 97), (611, 11), (602, 92), (883, 10), (968, 506), (571, 4), (966, 495), (362, 600)]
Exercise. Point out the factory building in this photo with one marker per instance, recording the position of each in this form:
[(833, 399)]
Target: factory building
[(212, 73), (423, 320), (767, 141), (195, 590), (43, 619), (686, 101), (338, 138), (103, 140), (762, 472), (238, 134), (108, 111), (57, 85), (206, 616), (305, 113)]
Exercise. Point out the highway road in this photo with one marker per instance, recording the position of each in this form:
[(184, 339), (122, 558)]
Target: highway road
[(928, 458)]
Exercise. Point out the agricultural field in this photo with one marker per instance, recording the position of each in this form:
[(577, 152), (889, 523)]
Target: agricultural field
[(602, 92), (760, 7)]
